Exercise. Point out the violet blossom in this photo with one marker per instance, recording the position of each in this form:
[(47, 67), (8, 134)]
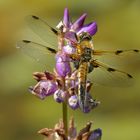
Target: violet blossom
[(77, 26)]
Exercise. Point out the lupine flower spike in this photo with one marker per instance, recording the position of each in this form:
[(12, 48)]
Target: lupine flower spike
[(68, 85), (63, 82)]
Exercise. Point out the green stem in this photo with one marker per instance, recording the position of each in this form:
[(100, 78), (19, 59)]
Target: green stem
[(65, 117), (65, 112)]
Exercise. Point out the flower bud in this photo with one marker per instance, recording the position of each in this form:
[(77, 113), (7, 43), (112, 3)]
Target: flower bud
[(73, 102), (59, 96)]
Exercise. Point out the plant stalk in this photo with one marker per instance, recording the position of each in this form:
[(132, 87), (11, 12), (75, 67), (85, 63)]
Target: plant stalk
[(65, 117), (65, 112)]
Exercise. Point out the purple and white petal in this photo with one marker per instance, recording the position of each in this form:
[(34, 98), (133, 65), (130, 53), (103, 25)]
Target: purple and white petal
[(71, 37), (37, 93), (44, 88), (60, 96), (66, 18), (68, 49), (73, 102), (90, 28), (63, 64), (78, 23)]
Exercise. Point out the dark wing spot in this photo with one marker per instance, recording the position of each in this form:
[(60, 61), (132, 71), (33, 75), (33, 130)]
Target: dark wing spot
[(52, 50), (118, 52), (130, 76), (35, 17), (136, 50), (26, 41), (111, 69), (96, 66), (55, 31)]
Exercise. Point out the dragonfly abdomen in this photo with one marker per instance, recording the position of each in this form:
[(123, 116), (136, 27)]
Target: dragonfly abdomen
[(82, 72), (82, 77)]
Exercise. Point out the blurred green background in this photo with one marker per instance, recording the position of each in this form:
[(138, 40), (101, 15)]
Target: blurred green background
[(21, 114)]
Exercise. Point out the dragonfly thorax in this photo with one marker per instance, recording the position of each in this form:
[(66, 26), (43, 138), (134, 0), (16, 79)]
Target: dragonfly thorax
[(84, 36), (86, 56)]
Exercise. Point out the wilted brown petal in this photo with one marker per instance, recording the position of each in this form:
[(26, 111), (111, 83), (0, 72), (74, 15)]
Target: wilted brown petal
[(86, 129), (72, 129), (39, 76), (46, 132)]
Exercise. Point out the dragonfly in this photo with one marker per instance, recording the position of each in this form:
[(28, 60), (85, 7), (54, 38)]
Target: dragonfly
[(84, 59), (85, 63)]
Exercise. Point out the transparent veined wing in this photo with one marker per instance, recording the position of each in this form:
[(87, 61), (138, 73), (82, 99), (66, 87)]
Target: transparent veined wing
[(42, 29), (108, 76), (120, 58), (37, 51), (115, 52), (119, 55)]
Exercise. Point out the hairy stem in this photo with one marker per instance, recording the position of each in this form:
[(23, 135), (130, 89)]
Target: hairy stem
[(65, 112)]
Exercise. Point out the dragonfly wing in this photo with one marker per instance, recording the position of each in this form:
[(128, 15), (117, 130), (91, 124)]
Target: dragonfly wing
[(121, 58), (37, 51), (42, 29), (116, 52), (108, 76)]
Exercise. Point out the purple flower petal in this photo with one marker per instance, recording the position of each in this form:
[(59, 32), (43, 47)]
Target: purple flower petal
[(62, 64), (96, 134), (66, 19), (36, 93), (48, 86), (79, 22), (59, 95), (73, 102), (44, 88), (69, 49), (71, 37), (90, 28)]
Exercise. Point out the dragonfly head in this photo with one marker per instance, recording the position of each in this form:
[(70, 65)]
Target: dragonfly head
[(84, 36)]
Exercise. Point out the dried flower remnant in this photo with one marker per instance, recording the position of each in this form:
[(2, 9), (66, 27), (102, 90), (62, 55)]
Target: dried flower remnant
[(58, 132)]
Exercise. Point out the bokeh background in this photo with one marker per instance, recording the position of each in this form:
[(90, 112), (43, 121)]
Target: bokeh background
[(22, 115)]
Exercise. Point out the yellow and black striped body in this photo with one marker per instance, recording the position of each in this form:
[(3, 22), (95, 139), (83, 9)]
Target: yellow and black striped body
[(82, 78), (84, 51)]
